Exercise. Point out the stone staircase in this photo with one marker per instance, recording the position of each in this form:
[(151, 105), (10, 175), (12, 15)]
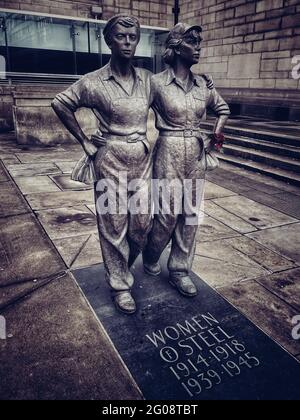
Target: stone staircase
[(266, 152)]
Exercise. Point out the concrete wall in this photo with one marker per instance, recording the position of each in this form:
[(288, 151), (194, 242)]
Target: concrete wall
[(153, 13), (6, 109), (248, 44), (35, 121)]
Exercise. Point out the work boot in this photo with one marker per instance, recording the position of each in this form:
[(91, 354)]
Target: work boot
[(124, 302), (184, 285)]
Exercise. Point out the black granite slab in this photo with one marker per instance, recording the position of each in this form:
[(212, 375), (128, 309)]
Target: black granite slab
[(204, 349)]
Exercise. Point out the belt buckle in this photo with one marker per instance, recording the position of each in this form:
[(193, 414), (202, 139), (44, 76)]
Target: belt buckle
[(188, 132)]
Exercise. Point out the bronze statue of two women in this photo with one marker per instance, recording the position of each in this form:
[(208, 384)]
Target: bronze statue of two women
[(121, 97)]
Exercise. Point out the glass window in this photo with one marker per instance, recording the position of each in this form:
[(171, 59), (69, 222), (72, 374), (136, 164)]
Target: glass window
[(39, 33), (43, 44), (2, 32)]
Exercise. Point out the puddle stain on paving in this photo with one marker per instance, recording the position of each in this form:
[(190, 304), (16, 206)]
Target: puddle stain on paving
[(83, 218)]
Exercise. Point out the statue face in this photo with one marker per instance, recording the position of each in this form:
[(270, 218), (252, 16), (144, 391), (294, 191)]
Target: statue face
[(190, 48), (124, 41)]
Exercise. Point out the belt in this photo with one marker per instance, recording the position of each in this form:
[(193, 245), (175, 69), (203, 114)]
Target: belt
[(132, 138), (188, 132)]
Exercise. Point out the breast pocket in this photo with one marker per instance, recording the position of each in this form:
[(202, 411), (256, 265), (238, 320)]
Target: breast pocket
[(200, 103), (200, 96), (129, 111)]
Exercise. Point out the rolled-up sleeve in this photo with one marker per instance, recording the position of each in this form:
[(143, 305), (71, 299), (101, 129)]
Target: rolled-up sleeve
[(217, 103), (76, 96)]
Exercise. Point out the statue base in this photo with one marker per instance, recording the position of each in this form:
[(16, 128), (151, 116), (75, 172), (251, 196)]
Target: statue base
[(200, 348)]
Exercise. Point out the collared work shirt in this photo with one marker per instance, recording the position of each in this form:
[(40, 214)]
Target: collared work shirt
[(119, 112), (178, 107)]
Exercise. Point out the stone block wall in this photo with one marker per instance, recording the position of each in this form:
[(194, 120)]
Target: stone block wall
[(247, 44), (153, 13)]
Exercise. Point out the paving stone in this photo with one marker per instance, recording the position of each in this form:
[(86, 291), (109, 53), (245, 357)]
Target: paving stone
[(229, 219), (66, 167), (247, 181), (68, 222), (11, 200), (257, 214), (242, 177), (218, 264), (289, 207), (211, 230), (9, 159), (260, 254), (267, 311), (26, 251), (66, 183), (259, 186), (60, 199), (72, 147), (233, 249), (267, 180), (285, 285), (14, 293), (81, 251), (3, 174), (59, 351), (289, 197), (35, 184), (230, 182), (10, 149), (33, 169), (48, 156), (284, 240), (215, 191)]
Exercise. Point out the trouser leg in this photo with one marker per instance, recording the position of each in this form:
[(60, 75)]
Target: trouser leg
[(177, 160), (159, 237), (167, 198), (115, 248), (184, 236), (140, 220), (122, 235), (183, 247)]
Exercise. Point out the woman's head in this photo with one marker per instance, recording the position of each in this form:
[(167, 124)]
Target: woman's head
[(122, 35), (184, 43)]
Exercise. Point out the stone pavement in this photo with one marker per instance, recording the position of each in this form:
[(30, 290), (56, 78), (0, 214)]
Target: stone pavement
[(248, 249)]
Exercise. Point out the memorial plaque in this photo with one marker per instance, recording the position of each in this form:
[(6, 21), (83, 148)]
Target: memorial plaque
[(198, 348)]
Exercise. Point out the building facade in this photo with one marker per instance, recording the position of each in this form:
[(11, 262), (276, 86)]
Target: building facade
[(151, 13), (250, 47), (248, 44)]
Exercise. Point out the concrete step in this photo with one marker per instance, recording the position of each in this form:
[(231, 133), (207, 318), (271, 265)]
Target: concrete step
[(277, 173), (8, 136), (266, 146), (259, 156), (5, 126), (267, 136)]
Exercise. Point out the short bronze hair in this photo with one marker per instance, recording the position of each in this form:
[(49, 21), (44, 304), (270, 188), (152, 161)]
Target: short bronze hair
[(126, 21)]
